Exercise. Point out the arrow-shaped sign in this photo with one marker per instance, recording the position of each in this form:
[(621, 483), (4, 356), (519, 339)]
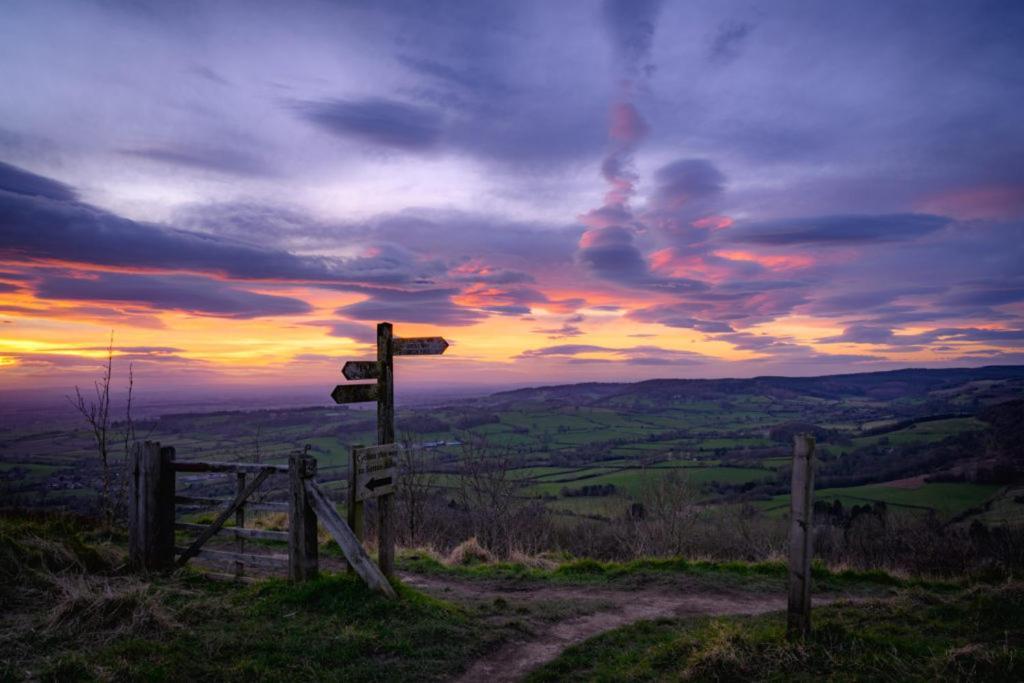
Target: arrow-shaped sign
[(418, 346), (361, 369), (377, 483), (354, 393)]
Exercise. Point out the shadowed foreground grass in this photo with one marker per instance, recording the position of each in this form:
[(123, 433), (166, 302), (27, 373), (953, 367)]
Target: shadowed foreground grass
[(973, 634), (70, 613)]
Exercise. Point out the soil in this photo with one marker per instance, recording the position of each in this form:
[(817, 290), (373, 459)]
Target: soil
[(614, 608)]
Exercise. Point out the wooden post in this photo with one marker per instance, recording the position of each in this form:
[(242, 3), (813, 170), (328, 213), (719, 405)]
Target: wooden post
[(240, 522), (385, 435), (798, 623), (355, 507), (151, 508), (303, 559)]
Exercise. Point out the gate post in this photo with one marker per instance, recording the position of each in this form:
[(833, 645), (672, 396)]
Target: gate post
[(151, 508), (798, 621), (303, 559)]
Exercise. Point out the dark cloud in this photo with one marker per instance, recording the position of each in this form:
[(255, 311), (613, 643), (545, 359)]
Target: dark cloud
[(221, 160), (610, 253), (685, 181), (728, 41), (632, 355), (41, 228), (378, 121), (363, 333), (566, 330), (631, 24), (196, 295), (422, 306), (20, 181), (826, 231), (861, 333)]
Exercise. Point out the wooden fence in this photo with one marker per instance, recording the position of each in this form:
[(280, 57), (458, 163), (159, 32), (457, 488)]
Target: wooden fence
[(153, 522)]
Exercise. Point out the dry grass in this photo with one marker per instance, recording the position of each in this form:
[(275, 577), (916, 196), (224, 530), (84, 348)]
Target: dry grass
[(467, 553), (106, 607)]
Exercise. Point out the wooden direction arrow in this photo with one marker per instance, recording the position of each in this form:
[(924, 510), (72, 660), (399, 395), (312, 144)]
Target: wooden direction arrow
[(377, 483), (354, 393), (361, 369), (418, 346)]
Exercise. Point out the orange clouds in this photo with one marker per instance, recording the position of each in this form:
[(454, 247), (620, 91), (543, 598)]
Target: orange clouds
[(770, 261)]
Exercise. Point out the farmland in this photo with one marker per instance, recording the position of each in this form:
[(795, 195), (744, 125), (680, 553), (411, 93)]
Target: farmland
[(592, 450)]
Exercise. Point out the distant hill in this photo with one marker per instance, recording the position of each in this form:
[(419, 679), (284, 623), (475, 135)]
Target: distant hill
[(911, 383)]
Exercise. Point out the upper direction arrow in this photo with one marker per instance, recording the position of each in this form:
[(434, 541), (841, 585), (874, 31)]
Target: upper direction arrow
[(354, 393), (418, 346), (361, 369)]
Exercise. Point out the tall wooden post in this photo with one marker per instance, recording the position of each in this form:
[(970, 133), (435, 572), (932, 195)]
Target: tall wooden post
[(385, 435), (798, 622), (151, 508), (303, 558)]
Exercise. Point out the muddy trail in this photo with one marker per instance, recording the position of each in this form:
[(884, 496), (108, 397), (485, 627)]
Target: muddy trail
[(594, 610)]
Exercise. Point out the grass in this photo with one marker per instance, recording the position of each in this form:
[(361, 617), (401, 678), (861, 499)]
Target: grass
[(69, 613), (972, 634), (749, 575)]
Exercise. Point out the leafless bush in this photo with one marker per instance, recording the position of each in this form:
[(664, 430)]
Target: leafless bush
[(96, 412), (413, 491), (661, 523), (486, 493)]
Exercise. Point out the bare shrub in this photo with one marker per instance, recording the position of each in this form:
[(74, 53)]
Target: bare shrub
[(663, 522), (486, 493), (467, 553), (413, 490), (96, 413)]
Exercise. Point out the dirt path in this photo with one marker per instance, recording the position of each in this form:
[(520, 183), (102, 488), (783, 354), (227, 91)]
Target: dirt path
[(617, 608)]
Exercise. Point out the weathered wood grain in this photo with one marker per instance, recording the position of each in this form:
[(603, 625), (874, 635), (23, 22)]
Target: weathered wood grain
[(257, 534), (386, 437), (275, 562), (208, 502), (303, 549), (347, 541), (222, 517), (798, 621), (151, 508)]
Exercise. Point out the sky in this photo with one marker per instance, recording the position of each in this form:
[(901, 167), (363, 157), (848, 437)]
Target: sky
[(566, 191)]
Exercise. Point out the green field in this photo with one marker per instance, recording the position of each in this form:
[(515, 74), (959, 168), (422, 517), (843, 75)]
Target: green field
[(944, 498)]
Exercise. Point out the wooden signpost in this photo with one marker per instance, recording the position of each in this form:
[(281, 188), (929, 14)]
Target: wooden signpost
[(383, 392)]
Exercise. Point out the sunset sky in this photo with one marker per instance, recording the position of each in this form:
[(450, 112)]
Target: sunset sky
[(567, 191)]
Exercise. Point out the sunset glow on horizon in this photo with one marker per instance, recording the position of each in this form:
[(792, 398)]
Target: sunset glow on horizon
[(567, 192)]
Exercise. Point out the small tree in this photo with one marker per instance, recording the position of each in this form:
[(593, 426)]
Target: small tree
[(96, 412)]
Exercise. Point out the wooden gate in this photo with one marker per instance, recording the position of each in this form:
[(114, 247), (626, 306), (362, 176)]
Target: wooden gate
[(153, 508)]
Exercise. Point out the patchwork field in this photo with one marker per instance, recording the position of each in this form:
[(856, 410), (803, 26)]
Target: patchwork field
[(593, 450)]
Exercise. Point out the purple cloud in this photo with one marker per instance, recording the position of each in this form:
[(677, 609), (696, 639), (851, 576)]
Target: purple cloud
[(196, 295)]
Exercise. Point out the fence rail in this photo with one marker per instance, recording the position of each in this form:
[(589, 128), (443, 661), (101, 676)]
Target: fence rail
[(209, 502), (216, 466), (237, 532), (153, 523)]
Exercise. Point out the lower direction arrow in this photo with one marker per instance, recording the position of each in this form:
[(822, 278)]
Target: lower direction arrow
[(377, 483), (355, 393)]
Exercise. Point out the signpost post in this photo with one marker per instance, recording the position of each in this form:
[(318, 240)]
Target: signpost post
[(380, 484)]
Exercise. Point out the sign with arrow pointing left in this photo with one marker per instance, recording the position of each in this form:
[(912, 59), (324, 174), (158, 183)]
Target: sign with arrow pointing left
[(375, 470)]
